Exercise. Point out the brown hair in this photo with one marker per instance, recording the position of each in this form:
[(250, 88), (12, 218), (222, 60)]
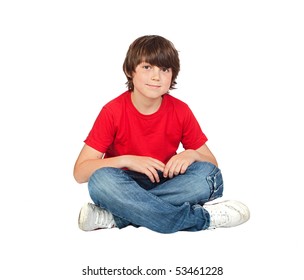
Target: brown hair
[(154, 50)]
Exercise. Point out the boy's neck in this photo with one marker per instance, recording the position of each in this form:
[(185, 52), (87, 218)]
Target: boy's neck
[(144, 105)]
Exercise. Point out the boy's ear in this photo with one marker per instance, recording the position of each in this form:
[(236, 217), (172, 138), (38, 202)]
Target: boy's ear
[(129, 75)]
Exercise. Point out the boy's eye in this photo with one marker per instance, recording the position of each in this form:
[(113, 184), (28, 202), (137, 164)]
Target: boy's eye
[(147, 67), (165, 69)]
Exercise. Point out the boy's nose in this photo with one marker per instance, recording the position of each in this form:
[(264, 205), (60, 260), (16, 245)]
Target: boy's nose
[(155, 74)]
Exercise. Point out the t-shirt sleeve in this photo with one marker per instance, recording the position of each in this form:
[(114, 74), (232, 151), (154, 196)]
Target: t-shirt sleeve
[(102, 133), (193, 136)]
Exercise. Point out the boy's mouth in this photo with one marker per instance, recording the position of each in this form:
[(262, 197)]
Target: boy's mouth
[(153, 86)]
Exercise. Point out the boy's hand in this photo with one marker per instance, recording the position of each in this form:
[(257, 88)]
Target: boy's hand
[(145, 165), (179, 163)]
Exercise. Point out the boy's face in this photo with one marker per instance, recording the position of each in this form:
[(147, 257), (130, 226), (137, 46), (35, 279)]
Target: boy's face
[(151, 81)]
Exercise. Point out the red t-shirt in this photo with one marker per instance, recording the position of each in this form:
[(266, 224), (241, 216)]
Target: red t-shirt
[(122, 130)]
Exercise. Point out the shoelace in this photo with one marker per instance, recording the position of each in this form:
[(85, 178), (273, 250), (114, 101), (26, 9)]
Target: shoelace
[(219, 218), (102, 219)]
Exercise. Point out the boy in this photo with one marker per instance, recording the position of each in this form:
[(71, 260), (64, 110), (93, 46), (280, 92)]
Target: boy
[(130, 161)]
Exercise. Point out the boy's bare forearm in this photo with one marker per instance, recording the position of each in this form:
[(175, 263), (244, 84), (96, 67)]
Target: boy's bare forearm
[(209, 158), (146, 165), (204, 154), (84, 170)]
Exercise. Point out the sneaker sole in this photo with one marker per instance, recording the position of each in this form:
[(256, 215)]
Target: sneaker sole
[(82, 216)]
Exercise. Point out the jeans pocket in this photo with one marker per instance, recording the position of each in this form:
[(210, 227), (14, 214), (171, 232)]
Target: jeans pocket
[(216, 184)]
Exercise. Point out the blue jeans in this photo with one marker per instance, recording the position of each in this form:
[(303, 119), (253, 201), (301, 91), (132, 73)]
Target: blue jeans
[(166, 207)]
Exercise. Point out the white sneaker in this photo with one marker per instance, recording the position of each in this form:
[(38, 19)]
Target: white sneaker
[(228, 213), (92, 217)]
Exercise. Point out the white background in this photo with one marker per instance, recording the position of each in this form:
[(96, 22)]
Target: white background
[(242, 75)]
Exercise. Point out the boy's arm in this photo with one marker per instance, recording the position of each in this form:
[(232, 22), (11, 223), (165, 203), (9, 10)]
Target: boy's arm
[(206, 155), (89, 160), (179, 163)]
